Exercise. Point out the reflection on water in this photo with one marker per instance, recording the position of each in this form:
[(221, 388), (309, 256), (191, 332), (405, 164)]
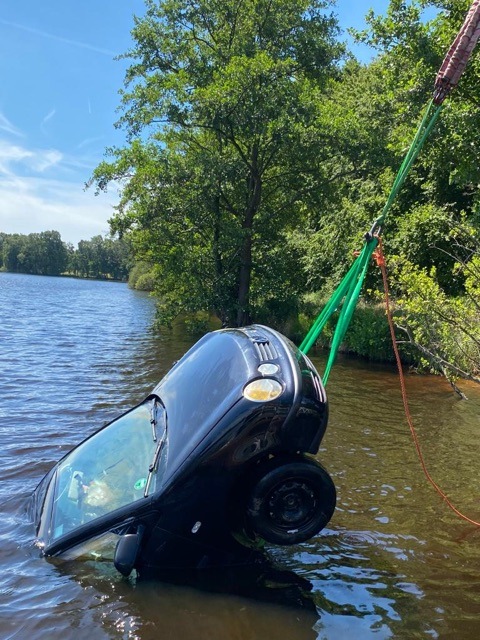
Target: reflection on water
[(395, 562), (229, 605)]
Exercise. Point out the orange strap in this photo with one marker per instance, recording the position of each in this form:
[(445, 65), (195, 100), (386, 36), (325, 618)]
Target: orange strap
[(380, 258)]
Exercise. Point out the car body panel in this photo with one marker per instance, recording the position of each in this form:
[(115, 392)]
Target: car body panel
[(210, 439)]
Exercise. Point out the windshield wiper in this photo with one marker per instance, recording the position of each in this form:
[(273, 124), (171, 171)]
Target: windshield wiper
[(160, 442), (153, 418)]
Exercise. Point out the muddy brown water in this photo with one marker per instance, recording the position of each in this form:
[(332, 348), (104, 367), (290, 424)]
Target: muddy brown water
[(393, 563)]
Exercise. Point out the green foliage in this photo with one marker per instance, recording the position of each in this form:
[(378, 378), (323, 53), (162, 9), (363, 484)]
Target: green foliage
[(37, 253), (368, 335), (423, 237), (199, 323), (445, 330), (142, 277), (411, 51), (221, 108), (3, 237), (101, 258)]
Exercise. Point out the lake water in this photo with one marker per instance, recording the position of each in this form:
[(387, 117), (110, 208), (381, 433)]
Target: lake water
[(395, 562)]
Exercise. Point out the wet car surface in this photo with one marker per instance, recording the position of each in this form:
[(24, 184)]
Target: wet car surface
[(215, 462)]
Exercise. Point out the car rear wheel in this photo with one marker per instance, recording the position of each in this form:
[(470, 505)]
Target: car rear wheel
[(291, 501)]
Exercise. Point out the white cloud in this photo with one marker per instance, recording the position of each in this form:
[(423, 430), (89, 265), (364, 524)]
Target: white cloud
[(90, 141), (11, 154), (40, 190), (15, 158), (48, 117), (8, 127), (45, 159), (32, 204)]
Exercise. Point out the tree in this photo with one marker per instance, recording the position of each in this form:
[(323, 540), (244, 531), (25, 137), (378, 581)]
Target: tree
[(117, 258), (101, 257), (3, 237), (52, 254), (38, 253), (435, 228), (14, 246), (226, 150)]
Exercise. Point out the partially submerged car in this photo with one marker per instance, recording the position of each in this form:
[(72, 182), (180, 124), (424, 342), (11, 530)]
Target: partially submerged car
[(209, 467)]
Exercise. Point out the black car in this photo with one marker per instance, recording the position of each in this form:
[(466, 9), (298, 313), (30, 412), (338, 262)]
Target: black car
[(209, 467)]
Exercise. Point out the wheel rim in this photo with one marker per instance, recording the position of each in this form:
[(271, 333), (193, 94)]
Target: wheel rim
[(291, 504)]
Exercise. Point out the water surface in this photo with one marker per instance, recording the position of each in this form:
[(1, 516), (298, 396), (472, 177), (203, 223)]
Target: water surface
[(394, 562)]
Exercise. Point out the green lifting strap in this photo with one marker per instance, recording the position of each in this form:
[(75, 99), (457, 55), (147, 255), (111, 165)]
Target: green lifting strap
[(348, 291), (346, 295), (426, 125)]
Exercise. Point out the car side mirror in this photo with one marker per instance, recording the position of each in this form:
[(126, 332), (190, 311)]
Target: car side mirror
[(126, 551)]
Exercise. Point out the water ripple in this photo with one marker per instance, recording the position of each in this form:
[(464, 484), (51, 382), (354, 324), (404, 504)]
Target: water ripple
[(394, 564)]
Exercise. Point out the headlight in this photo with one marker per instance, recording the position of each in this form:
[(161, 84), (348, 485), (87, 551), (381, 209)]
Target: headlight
[(262, 390)]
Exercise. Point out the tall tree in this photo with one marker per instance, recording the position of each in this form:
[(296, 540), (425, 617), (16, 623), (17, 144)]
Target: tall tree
[(41, 253), (14, 246), (225, 146)]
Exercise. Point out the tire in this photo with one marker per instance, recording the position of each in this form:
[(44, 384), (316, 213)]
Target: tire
[(291, 501)]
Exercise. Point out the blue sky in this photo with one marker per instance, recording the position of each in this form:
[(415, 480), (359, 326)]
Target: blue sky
[(59, 87)]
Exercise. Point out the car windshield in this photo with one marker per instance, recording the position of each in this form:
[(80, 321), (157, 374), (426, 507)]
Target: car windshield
[(109, 470)]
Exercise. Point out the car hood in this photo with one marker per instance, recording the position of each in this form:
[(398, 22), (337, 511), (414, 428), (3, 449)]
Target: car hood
[(197, 394)]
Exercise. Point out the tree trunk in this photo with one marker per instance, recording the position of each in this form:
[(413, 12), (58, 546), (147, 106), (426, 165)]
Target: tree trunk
[(245, 269), (219, 298), (245, 273)]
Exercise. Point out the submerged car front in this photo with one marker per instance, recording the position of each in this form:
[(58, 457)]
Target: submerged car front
[(173, 481)]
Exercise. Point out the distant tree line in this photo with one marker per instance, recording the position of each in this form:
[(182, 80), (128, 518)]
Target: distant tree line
[(46, 254)]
